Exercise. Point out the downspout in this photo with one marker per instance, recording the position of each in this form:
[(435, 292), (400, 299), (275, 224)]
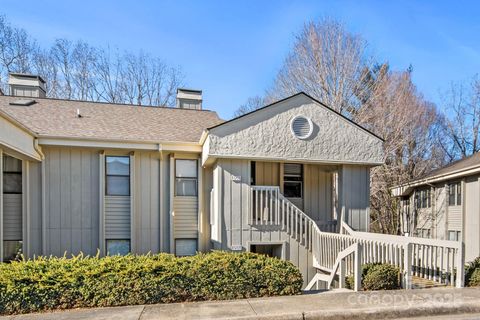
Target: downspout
[(38, 148)]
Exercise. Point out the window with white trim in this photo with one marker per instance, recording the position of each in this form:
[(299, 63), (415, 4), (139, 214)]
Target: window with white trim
[(117, 246), (117, 175), (454, 235), (186, 177), (455, 194), (293, 180)]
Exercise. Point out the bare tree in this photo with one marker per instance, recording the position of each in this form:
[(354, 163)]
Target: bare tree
[(409, 124), (252, 104), (333, 65), (461, 123), (108, 69), (16, 49), (84, 58), (76, 70), (327, 62)]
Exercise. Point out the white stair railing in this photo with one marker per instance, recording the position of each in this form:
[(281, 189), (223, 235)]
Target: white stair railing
[(437, 260)]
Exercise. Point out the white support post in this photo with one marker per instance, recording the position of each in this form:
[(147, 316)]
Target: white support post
[(101, 182), (341, 283), (358, 267), (407, 266), (1, 205), (460, 265)]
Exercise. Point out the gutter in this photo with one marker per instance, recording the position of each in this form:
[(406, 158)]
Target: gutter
[(203, 137), (446, 176)]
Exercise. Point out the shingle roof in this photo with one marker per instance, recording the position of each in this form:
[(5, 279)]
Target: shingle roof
[(473, 160), (58, 118)]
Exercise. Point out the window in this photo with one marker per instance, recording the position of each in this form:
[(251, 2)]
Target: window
[(423, 199), (186, 177), (423, 233), (293, 180), (455, 194), (185, 247), (12, 250), (12, 175), (117, 176), (459, 194), (454, 235), (118, 247)]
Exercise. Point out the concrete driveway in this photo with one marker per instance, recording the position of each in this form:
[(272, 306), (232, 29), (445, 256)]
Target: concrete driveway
[(326, 305)]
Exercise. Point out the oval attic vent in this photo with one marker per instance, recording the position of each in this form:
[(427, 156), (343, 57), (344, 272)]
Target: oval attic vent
[(301, 127)]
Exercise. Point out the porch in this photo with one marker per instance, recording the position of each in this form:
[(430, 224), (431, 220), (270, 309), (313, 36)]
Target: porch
[(310, 188)]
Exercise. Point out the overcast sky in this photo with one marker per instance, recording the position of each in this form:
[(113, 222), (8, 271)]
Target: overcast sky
[(232, 50)]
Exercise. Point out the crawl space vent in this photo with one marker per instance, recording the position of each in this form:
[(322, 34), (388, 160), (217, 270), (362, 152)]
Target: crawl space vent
[(301, 127)]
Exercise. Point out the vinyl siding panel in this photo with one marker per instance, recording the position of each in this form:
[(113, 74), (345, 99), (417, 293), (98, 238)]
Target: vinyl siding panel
[(34, 227), (117, 217), (318, 193), (146, 216), (472, 218), (12, 217), (355, 191), (185, 217), (72, 201), (232, 198), (440, 212), (267, 173), (455, 218)]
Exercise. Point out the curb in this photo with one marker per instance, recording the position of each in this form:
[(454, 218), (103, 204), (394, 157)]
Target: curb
[(374, 312)]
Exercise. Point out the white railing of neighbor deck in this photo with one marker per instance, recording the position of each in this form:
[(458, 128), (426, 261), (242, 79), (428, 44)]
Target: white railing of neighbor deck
[(343, 253)]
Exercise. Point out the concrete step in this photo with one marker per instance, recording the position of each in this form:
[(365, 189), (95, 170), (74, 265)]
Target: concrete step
[(421, 283)]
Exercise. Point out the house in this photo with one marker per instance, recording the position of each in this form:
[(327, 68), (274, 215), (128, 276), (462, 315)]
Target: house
[(284, 180), (444, 204)]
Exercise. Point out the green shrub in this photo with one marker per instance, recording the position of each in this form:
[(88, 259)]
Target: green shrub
[(60, 283), (472, 273), (377, 276)]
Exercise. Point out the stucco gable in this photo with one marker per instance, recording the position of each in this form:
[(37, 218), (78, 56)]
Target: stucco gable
[(266, 134)]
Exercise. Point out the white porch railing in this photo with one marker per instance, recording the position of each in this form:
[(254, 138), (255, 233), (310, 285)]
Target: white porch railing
[(437, 260)]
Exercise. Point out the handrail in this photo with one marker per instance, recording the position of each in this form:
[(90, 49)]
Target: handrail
[(436, 260)]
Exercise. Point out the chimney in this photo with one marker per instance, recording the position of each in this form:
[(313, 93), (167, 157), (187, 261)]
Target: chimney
[(189, 99), (26, 85)]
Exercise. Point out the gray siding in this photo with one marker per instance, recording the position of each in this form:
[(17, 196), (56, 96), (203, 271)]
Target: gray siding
[(318, 193), (34, 217), (233, 203), (12, 217), (472, 217), (355, 196), (117, 217), (72, 201), (146, 217), (185, 223), (455, 218)]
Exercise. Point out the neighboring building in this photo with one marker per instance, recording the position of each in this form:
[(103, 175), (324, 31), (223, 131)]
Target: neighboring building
[(445, 204)]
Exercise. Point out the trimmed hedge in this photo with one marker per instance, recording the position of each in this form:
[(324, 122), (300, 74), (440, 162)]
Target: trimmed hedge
[(472, 273), (377, 276), (61, 283)]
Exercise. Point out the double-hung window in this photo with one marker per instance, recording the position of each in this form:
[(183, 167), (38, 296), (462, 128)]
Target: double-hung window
[(12, 193), (117, 176), (293, 180), (455, 194), (186, 177), (12, 175), (454, 235), (423, 199)]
